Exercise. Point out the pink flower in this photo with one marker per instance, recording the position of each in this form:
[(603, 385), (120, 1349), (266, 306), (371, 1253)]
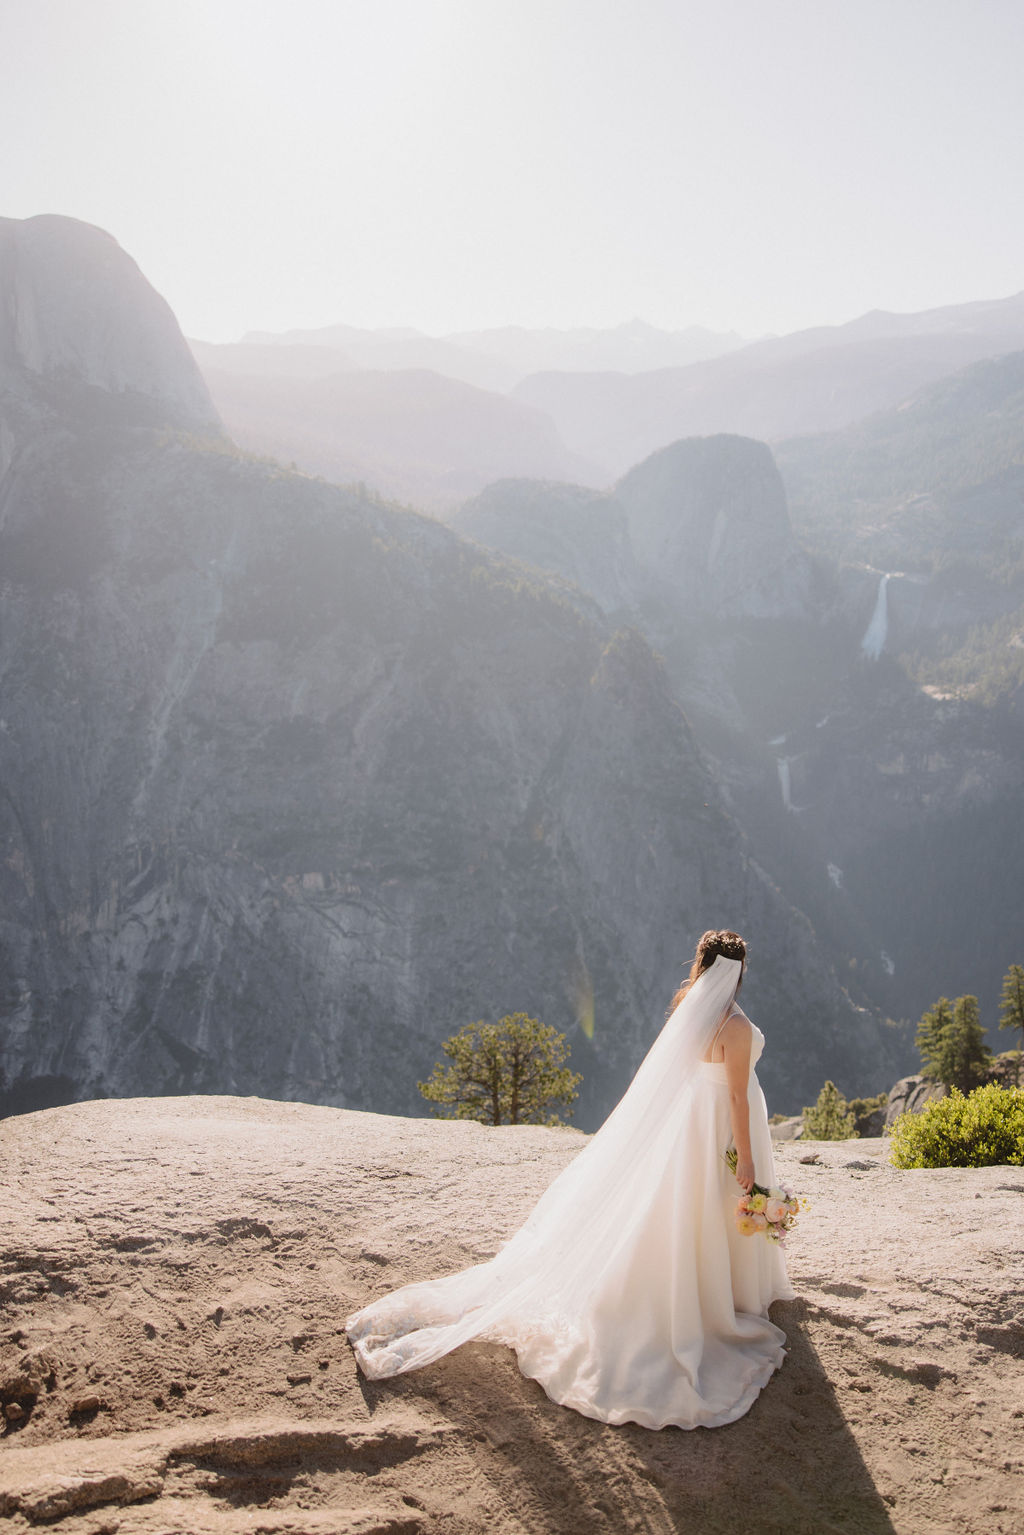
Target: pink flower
[(775, 1210), (746, 1225), (760, 1222)]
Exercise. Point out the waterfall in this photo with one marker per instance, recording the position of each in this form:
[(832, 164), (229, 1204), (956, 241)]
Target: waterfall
[(873, 642), (784, 782)]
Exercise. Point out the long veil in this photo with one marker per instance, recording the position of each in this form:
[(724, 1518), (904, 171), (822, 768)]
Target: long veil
[(546, 1277)]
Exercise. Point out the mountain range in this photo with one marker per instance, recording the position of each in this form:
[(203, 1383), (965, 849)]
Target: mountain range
[(296, 782), (598, 401), (500, 357)]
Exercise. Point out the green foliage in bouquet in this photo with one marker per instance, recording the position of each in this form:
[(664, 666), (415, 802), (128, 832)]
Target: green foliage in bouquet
[(508, 1073), (830, 1118), (983, 1129)]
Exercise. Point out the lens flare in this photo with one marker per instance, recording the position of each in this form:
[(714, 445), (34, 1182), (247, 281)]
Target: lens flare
[(584, 997)]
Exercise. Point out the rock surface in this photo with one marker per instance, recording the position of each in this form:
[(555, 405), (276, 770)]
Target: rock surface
[(710, 525), (790, 1129), (74, 307), (176, 1274), (700, 529), (909, 1095), (889, 811)]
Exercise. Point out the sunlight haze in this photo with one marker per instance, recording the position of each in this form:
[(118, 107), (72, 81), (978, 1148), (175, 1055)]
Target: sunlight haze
[(453, 164)]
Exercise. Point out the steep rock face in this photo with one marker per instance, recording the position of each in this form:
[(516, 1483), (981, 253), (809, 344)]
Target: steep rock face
[(937, 479), (296, 784), (708, 521), (74, 306), (570, 531), (699, 529), (889, 811), (916, 805), (933, 493)]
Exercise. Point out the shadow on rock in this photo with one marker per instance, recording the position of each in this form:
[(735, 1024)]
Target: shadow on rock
[(791, 1466)]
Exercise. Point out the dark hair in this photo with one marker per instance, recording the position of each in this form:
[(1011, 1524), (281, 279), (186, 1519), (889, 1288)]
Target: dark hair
[(712, 943)]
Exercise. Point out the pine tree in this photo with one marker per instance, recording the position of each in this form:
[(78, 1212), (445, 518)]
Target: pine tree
[(1011, 1009), (952, 1043), (830, 1119), (969, 1056), (506, 1073), (931, 1039)]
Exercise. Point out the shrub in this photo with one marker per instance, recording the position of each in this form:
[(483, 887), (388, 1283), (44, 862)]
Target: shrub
[(983, 1129), (830, 1118)]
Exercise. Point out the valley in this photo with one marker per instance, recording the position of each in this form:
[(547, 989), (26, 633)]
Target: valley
[(298, 780)]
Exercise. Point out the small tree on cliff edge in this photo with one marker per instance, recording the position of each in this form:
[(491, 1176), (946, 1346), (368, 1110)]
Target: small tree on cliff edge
[(1011, 1008), (508, 1073)]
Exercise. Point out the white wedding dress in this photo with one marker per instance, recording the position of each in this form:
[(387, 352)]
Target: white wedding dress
[(628, 1294)]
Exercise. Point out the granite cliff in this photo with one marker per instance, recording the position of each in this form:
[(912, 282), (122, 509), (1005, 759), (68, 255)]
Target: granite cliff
[(74, 307), (295, 782), (699, 531), (886, 805)]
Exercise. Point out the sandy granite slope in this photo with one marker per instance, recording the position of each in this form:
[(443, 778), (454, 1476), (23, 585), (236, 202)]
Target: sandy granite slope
[(175, 1274)]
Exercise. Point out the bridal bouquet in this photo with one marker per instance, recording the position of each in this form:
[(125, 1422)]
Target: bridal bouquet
[(772, 1211)]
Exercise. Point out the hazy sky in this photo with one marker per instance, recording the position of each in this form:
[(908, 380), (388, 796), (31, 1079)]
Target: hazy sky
[(757, 165)]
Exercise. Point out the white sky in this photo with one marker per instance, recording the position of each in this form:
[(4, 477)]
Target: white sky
[(757, 165)]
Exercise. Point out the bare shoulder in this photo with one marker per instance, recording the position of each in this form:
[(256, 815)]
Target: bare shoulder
[(737, 1028)]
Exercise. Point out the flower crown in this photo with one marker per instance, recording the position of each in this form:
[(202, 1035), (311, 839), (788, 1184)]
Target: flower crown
[(728, 945)]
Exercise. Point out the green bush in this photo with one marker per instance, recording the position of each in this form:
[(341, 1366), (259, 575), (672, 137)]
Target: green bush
[(982, 1130)]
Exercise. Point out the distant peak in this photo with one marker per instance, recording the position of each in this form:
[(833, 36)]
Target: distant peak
[(75, 306)]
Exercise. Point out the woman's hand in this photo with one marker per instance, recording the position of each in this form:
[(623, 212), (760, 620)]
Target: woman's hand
[(745, 1173)]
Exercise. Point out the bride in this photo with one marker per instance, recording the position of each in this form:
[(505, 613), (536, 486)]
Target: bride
[(629, 1293)]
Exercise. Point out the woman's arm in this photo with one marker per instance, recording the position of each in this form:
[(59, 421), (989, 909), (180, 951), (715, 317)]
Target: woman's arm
[(735, 1039)]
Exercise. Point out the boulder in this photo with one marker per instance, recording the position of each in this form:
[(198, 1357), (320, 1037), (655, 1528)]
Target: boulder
[(870, 1125), (909, 1096)]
